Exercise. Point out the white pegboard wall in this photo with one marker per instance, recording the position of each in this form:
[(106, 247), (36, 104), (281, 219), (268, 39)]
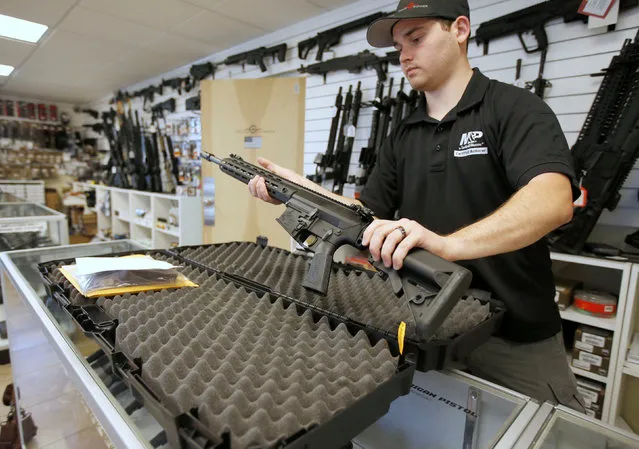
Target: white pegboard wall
[(30, 191)]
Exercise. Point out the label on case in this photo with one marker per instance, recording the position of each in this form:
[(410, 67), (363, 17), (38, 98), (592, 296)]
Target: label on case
[(581, 364), (590, 358), (594, 340)]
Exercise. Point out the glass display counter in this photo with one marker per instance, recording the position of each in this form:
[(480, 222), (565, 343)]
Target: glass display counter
[(31, 225), (451, 410), (567, 429)]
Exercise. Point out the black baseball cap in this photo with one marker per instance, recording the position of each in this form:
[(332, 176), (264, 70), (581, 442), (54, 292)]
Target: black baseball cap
[(380, 32)]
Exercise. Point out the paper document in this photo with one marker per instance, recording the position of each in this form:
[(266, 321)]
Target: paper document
[(90, 265)]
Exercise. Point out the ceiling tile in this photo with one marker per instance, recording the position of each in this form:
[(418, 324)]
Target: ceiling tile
[(14, 52), (67, 57), (47, 12), (92, 23), (330, 4), (48, 91), (269, 15), (158, 14), (136, 67), (181, 48), (209, 4), (217, 30)]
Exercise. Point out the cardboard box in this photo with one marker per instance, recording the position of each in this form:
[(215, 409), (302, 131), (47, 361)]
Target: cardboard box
[(564, 291), (593, 340), (590, 362), (592, 392), (593, 414)]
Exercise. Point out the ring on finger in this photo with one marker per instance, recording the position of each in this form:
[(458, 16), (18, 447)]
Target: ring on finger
[(402, 230)]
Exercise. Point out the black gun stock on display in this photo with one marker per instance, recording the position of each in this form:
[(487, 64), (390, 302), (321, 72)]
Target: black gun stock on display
[(329, 38), (431, 285), (355, 64), (202, 71), (256, 57), (533, 20)]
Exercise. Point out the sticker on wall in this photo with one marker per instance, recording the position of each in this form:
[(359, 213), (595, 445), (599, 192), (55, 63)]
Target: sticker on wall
[(253, 142)]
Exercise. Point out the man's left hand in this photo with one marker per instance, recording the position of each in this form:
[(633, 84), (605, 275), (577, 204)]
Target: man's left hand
[(392, 240)]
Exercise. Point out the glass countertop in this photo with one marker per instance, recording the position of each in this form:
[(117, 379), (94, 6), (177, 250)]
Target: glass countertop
[(20, 210), (6, 197), (569, 430), (22, 269)]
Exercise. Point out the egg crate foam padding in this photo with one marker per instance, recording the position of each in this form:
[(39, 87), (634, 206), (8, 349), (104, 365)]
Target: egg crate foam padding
[(359, 295), (258, 367), (55, 281)]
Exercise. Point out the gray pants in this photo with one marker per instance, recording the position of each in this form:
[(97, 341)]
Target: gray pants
[(539, 370)]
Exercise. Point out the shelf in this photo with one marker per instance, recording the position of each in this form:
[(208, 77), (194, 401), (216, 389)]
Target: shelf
[(584, 373), (124, 219), (589, 375), (631, 369), (174, 233), (139, 223), (591, 261), (572, 314), (623, 425)]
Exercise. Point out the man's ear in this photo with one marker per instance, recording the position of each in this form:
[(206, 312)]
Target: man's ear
[(461, 29)]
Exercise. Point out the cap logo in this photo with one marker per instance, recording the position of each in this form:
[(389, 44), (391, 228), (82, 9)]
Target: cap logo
[(412, 5)]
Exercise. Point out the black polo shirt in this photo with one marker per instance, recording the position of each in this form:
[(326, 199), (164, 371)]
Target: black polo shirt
[(451, 173)]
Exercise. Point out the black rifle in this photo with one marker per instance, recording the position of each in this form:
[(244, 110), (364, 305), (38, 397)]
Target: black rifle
[(386, 107), (399, 105), (117, 176), (341, 134), (329, 38), (92, 112), (178, 84), (159, 109), (430, 285), (149, 93), (533, 19), (355, 64), (96, 127), (145, 171), (540, 85), (367, 154), (343, 156), (193, 103), (202, 71), (324, 160), (607, 147), (256, 57)]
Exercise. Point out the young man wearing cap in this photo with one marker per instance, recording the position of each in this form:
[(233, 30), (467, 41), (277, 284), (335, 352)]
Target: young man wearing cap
[(479, 173)]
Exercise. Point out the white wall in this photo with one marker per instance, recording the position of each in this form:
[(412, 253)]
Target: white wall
[(575, 52)]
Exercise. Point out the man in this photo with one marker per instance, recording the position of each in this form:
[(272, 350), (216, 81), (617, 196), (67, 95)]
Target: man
[(479, 174)]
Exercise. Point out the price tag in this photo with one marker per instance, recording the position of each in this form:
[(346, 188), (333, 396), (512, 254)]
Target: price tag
[(596, 8)]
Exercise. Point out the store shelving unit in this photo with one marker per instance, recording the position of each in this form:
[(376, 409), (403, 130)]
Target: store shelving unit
[(30, 191), (626, 372), (607, 275), (145, 217)]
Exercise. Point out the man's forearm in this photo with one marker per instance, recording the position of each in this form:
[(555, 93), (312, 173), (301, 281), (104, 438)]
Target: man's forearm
[(535, 210)]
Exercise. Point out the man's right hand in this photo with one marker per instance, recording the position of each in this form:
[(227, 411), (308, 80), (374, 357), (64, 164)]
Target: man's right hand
[(257, 185)]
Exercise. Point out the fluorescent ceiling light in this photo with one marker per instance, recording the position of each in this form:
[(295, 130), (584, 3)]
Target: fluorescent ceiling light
[(22, 30), (5, 70)]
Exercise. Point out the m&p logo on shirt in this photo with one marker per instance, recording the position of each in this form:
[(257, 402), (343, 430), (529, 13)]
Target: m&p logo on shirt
[(471, 143)]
